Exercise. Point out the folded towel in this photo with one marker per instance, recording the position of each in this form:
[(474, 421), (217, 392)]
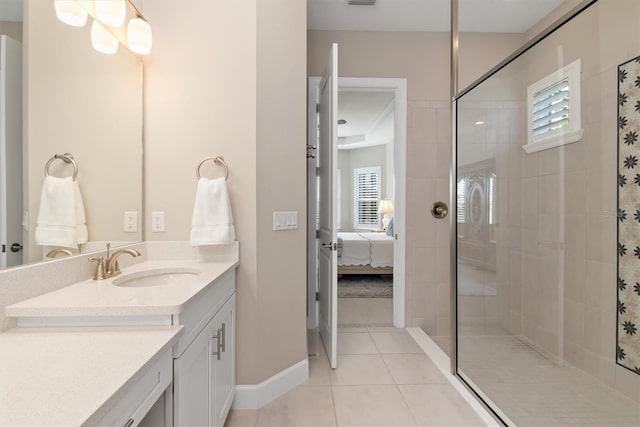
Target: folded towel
[(82, 234), (57, 223), (212, 221)]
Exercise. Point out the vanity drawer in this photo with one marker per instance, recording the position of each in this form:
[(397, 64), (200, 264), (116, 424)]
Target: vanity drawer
[(197, 313), (134, 405)]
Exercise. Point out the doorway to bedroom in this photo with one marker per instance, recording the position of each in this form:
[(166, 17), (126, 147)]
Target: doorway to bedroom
[(369, 187)]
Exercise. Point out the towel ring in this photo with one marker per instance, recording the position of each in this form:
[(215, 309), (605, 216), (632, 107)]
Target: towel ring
[(218, 161), (67, 158)]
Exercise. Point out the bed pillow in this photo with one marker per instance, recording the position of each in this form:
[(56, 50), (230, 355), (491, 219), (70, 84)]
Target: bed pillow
[(390, 228)]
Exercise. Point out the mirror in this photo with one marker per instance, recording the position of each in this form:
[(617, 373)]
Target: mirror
[(78, 101)]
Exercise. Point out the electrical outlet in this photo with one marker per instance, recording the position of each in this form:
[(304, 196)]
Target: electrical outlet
[(157, 222), (130, 222)]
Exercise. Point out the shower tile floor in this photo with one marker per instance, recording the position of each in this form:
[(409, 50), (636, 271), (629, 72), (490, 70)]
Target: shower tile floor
[(383, 379), (535, 391)]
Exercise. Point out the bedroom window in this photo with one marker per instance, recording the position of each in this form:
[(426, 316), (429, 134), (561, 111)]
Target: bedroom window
[(553, 109), (366, 197)]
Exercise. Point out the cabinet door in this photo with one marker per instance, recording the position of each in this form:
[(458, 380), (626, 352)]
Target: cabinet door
[(192, 379), (223, 369)]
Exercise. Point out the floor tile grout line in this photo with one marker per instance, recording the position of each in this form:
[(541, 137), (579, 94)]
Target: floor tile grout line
[(413, 417)]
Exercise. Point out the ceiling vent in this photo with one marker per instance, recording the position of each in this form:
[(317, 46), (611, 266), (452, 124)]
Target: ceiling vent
[(361, 2)]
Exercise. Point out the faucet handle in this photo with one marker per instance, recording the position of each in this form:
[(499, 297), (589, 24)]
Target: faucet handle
[(99, 274)]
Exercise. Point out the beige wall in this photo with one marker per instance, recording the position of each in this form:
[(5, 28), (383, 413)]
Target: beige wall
[(423, 59), (479, 52), (90, 105), (282, 171), (12, 29), (216, 85)]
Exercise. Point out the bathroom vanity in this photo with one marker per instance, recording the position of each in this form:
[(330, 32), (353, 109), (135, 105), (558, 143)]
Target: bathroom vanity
[(187, 379)]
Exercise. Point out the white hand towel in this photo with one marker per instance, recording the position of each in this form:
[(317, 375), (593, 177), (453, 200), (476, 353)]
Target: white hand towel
[(82, 233), (56, 224), (212, 221)]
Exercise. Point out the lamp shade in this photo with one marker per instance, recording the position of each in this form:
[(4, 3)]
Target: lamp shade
[(111, 12), (102, 40), (386, 206), (139, 36), (70, 12)]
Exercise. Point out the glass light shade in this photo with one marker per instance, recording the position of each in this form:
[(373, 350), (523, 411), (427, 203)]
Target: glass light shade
[(102, 40), (139, 37), (386, 206), (111, 12), (70, 12)]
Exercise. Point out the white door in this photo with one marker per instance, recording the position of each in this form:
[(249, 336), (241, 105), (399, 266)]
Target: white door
[(327, 163), (10, 152)]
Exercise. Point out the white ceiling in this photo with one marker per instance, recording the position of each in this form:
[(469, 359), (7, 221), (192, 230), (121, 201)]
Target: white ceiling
[(511, 16), (11, 10), (369, 117)]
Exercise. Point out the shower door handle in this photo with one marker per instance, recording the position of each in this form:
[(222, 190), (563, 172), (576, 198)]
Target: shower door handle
[(439, 210)]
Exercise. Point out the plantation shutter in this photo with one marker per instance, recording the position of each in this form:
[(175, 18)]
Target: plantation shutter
[(366, 197), (551, 108)]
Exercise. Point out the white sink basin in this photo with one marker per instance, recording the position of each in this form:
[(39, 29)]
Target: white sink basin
[(157, 277)]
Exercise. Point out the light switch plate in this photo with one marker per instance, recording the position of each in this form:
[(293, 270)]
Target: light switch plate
[(285, 220), (130, 222), (157, 221)]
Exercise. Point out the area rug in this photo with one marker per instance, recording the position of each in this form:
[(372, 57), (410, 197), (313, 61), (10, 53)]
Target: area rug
[(365, 286)]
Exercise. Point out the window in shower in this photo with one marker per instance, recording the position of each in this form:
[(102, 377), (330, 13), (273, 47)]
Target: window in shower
[(553, 108)]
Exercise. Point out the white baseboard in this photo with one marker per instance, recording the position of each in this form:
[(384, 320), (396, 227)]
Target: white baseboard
[(258, 395)]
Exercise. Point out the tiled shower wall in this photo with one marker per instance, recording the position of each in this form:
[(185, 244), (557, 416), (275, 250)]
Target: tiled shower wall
[(556, 251)]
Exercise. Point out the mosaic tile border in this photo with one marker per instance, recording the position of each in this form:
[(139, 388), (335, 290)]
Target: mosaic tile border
[(628, 307)]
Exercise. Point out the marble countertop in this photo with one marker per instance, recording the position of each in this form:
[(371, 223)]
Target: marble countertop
[(73, 376), (103, 298)]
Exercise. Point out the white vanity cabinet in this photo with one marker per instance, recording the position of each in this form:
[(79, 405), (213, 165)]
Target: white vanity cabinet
[(204, 360)]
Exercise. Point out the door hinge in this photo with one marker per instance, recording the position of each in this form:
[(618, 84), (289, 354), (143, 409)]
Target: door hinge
[(317, 234), (4, 248), (317, 171), (317, 296), (317, 108)]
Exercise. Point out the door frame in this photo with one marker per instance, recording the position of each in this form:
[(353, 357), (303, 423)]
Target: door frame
[(399, 87)]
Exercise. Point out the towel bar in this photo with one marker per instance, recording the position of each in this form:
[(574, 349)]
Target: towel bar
[(67, 158), (218, 161)]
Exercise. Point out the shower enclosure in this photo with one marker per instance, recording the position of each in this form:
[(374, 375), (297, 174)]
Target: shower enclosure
[(548, 226)]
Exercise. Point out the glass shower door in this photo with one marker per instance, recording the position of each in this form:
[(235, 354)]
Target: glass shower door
[(548, 227)]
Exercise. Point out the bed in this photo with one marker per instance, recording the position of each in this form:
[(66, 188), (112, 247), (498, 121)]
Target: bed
[(365, 253)]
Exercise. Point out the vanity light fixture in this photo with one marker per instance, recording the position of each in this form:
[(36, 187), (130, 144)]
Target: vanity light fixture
[(70, 12), (109, 16), (102, 40), (139, 36), (111, 12)]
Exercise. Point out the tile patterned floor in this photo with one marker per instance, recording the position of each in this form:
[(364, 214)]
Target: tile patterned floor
[(383, 379)]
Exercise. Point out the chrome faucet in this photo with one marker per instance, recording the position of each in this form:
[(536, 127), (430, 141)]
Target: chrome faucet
[(111, 265)]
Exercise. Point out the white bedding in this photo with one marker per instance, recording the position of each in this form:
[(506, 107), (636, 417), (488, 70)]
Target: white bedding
[(374, 249), (381, 249), (355, 249)]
